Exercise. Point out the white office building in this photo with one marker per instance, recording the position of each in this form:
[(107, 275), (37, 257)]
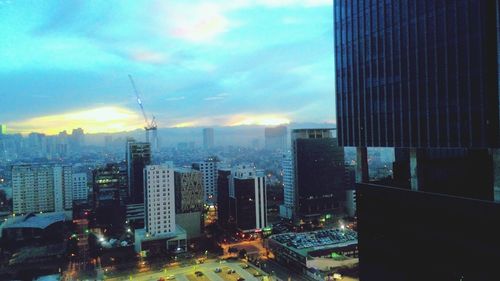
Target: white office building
[(159, 199), (80, 187)]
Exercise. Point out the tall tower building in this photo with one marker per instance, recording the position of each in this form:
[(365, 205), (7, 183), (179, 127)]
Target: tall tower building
[(159, 199), (223, 205), (248, 198), (288, 169), (319, 175), (209, 170), (276, 138), (41, 188), (138, 155), (77, 139), (208, 138), (422, 77)]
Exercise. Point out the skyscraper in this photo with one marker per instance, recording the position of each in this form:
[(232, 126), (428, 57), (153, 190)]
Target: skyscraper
[(138, 156), (288, 169), (276, 138), (208, 138), (208, 168), (41, 188), (159, 199), (248, 198), (223, 208), (77, 139), (422, 77), (319, 175), (189, 201)]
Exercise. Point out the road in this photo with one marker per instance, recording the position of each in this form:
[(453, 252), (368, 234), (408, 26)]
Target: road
[(208, 269)]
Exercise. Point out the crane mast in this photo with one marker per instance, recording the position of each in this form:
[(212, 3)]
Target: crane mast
[(150, 125)]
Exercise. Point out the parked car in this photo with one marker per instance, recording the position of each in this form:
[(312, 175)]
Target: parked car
[(218, 270)]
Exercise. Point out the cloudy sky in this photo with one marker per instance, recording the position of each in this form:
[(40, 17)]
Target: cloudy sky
[(65, 64)]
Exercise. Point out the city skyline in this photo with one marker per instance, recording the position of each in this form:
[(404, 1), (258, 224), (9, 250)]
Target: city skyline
[(201, 63)]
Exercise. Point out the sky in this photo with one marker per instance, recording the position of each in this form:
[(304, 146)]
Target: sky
[(65, 64)]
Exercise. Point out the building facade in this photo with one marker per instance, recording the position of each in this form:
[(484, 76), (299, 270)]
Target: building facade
[(286, 210), (208, 168), (159, 199), (138, 156), (189, 201), (319, 175), (422, 77), (41, 188), (80, 186), (248, 198)]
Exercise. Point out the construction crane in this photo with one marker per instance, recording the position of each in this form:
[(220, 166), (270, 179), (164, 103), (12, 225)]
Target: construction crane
[(150, 125)]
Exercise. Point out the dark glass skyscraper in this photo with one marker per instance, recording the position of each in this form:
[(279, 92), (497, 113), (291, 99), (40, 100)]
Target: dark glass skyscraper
[(422, 76), (138, 156)]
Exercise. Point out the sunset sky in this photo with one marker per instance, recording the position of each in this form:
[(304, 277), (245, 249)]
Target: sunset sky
[(65, 64)]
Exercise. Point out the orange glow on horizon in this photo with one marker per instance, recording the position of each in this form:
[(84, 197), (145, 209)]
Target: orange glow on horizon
[(97, 120)]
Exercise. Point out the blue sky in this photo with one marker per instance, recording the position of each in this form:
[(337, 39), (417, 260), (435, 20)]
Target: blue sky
[(64, 64)]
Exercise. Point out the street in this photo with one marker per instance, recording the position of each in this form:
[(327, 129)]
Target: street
[(188, 273)]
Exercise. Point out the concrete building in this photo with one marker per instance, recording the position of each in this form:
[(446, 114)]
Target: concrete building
[(189, 201), (80, 186), (248, 198), (276, 138), (159, 199), (41, 188), (286, 209), (319, 176), (209, 170), (161, 235), (138, 156), (208, 138), (422, 77)]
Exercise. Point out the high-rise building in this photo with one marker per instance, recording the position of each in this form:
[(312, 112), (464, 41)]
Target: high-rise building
[(159, 199), (138, 156), (77, 139), (189, 201), (80, 186), (248, 198), (108, 184), (276, 138), (209, 170), (422, 77), (223, 208), (319, 175), (288, 170), (41, 188), (208, 138)]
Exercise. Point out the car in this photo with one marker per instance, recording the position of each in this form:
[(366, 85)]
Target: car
[(229, 271), (170, 277), (218, 270), (198, 273), (241, 279), (245, 266), (257, 274)]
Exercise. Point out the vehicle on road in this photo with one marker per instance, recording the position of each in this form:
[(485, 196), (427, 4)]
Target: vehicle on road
[(241, 279), (198, 273), (218, 270), (170, 277), (245, 266)]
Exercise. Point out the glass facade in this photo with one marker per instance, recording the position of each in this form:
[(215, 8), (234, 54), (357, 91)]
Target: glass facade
[(416, 73)]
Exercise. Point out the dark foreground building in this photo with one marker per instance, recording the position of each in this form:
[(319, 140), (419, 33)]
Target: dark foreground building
[(422, 76)]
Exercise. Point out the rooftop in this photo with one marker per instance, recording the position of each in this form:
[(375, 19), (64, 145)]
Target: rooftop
[(305, 242), (34, 220)]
